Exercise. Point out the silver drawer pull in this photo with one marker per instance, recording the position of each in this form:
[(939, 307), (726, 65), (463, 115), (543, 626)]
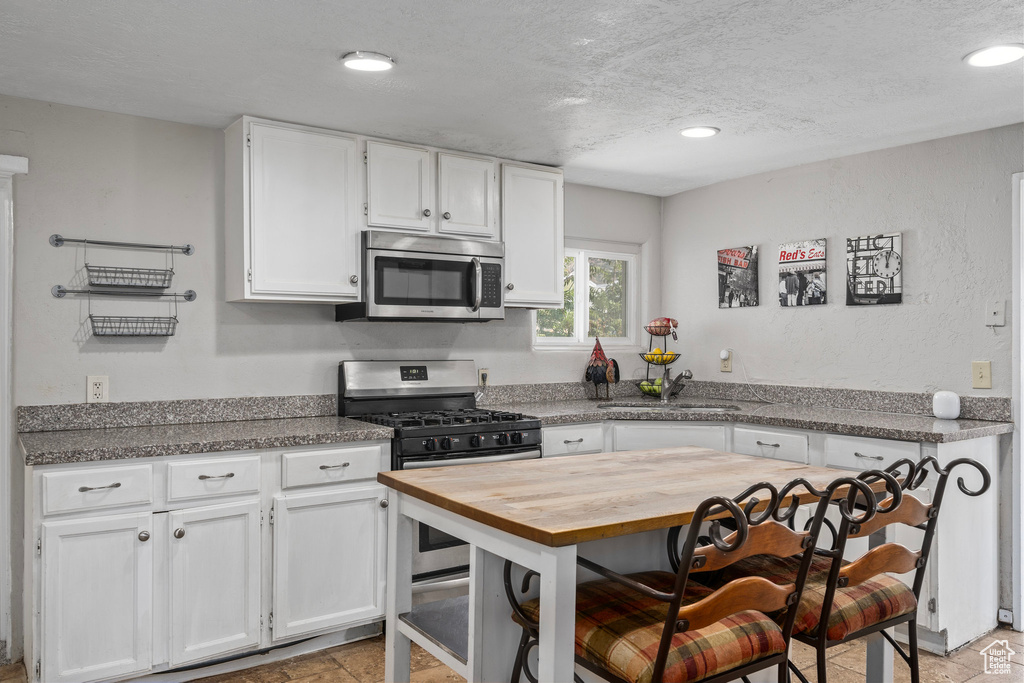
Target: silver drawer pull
[(115, 485), (204, 477), (579, 440), (770, 445), (869, 457), (335, 467)]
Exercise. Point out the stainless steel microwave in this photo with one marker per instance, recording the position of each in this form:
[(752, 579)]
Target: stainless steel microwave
[(412, 277)]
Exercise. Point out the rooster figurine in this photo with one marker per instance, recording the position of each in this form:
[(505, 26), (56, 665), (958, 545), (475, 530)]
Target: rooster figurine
[(601, 370)]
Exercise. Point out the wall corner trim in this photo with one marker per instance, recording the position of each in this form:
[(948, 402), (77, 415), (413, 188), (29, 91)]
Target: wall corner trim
[(11, 165)]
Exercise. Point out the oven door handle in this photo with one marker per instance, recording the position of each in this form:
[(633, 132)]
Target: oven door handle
[(478, 273), (504, 457)]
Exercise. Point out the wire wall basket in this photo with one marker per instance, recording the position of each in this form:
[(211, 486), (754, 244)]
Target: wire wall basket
[(115, 276), (133, 326)]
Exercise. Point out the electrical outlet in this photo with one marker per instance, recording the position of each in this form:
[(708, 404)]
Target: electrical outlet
[(726, 362), (482, 372), (981, 374), (97, 389)]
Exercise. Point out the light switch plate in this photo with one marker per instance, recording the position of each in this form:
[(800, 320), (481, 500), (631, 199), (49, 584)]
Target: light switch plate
[(981, 374), (995, 314)]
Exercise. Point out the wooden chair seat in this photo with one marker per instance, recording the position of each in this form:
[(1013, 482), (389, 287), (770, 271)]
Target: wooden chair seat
[(854, 608), (619, 630)]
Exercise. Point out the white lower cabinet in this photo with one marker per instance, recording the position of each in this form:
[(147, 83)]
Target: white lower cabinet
[(574, 439), (770, 443), (97, 597), (329, 559), (638, 436), (214, 581)]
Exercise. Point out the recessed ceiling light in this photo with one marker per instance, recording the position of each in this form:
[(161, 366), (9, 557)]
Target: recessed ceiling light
[(995, 55), (700, 131), (367, 61)]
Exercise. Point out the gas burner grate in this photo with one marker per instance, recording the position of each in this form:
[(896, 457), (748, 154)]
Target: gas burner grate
[(440, 418)]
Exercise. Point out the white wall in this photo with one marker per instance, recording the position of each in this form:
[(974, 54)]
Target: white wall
[(109, 176), (951, 200)]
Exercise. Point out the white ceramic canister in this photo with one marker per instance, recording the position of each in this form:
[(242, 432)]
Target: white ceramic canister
[(946, 405)]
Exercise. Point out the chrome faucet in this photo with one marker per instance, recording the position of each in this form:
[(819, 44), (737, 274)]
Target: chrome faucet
[(670, 389)]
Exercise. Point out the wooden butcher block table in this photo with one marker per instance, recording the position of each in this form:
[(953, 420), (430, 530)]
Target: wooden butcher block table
[(535, 513)]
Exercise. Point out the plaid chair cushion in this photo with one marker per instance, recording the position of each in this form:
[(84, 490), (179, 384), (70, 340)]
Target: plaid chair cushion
[(879, 599), (619, 630)]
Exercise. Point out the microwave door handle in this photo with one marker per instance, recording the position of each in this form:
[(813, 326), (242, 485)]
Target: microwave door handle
[(478, 273)]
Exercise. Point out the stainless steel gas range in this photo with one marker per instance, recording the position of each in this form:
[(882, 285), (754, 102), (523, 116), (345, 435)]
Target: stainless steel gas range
[(431, 406)]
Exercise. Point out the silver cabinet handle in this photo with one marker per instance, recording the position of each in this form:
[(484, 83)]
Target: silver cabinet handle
[(335, 467), (143, 536), (354, 279), (869, 457), (478, 274), (447, 215), (510, 286), (579, 440), (384, 503), (204, 477), (426, 212), (771, 445), (179, 533), (115, 485)]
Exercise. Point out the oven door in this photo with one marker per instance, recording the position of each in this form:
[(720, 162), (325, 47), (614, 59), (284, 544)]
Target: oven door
[(440, 560), (411, 285)]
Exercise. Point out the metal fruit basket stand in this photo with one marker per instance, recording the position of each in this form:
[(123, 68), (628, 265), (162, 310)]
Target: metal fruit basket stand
[(664, 358)]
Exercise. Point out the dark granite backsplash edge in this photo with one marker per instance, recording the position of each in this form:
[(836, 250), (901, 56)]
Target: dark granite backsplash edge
[(193, 411)]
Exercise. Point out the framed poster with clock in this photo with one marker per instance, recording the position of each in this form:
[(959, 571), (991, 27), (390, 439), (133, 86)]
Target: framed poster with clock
[(874, 269)]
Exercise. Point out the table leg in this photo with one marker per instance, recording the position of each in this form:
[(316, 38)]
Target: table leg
[(558, 615), (879, 652), (399, 593)]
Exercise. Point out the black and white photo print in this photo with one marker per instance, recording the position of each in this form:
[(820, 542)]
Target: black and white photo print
[(874, 269), (802, 273), (737, 277)]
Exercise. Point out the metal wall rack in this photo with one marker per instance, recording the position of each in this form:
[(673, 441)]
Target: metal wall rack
[(128, 282)]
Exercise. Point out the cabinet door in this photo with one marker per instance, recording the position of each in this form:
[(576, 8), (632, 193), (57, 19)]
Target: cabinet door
[(532, 227), (215, 580), (465, 190), (398, 187), (97, 598), (304, 231), (643, 436), (329, 559)]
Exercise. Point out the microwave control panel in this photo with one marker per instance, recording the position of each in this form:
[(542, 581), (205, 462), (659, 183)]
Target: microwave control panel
[(491, 273)]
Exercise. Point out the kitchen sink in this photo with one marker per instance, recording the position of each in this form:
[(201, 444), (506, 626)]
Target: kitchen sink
[(669, 408)]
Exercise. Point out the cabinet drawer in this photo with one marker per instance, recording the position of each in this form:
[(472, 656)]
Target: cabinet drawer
[(573, 439), (329, 466), (211, 477), (770, 444), (97, 488), (858, 453)]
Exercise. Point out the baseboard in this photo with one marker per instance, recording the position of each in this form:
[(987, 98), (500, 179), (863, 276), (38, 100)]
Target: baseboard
[(929, 641)]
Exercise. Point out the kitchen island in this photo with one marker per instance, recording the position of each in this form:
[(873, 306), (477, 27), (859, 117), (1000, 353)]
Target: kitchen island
[(537, 514)]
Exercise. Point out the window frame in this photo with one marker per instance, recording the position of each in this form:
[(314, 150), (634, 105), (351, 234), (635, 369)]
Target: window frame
[(583, 250)]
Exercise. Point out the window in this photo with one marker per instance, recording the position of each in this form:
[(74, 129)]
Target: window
[(600, 282)]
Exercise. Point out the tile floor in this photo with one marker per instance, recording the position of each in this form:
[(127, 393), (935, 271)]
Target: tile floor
[(363, 662)]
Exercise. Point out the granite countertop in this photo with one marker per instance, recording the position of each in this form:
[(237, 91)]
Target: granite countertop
[(882, 425), (83, 445)]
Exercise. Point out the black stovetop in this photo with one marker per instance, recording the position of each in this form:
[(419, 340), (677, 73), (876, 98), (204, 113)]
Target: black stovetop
[(438, 418)]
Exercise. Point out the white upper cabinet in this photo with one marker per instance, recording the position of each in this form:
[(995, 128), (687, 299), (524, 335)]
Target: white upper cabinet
[(291, 212), (398, 187), (465, 188), (532, 225)]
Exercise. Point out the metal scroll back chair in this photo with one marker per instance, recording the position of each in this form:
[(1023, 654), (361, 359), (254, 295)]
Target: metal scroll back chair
[(858, 597), (662, 626)]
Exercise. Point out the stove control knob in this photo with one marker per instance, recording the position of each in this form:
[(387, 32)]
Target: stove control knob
[(446, 443), (517, 437), (502, 439), (476, 441), (430, 444)]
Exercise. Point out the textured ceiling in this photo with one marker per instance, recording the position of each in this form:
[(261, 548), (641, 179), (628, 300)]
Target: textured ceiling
[(600, 87)]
